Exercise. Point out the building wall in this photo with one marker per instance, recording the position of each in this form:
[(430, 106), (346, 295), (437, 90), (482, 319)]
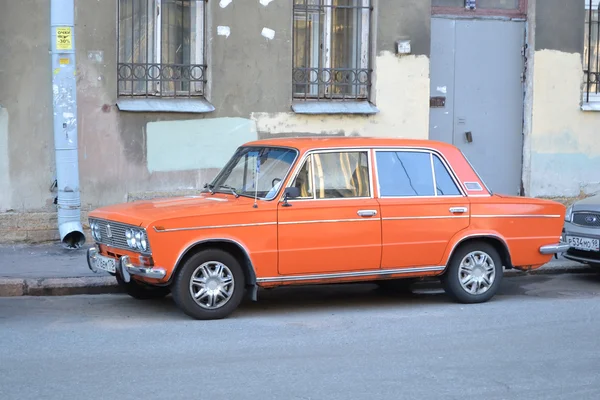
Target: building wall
[(565, 150), (125, 155)]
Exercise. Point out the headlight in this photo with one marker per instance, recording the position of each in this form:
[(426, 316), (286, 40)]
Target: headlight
[(136, 239), (129, 237), (569, 214), (95, 228)]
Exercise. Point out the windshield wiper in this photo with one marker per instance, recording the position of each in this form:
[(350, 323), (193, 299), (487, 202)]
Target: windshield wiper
[(209, 187), (233, 190)]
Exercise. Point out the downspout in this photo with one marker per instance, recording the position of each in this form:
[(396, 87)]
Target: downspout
[(64, 103)]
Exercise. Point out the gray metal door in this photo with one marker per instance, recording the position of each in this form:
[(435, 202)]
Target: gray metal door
[(477, 95)]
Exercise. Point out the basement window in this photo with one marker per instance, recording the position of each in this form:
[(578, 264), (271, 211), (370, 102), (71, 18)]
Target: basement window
[(331, 56), (161, 64), (591, 57)]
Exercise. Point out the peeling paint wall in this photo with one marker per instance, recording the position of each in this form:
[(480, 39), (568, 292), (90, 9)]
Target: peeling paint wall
[(402, 92), (4, 172), (249, 56), (565, 150), (565, 156)]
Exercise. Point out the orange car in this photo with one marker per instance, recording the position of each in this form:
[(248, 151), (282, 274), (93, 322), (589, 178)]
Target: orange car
[(325, 210)]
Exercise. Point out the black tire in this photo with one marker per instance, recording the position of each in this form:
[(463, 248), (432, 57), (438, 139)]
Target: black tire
[(143, 292), (182, 292), (396, 285), (451, 280)]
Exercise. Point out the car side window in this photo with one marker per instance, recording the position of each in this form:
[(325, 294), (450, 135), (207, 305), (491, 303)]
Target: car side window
[(445, 186), (404, 173), (304, 180), (341, 175)]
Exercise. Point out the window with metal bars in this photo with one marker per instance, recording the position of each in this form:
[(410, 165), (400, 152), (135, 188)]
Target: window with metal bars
[(161, 48), (331, 56), (591, 52)]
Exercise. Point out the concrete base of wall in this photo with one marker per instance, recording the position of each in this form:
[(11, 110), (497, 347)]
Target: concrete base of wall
[(34, 227)]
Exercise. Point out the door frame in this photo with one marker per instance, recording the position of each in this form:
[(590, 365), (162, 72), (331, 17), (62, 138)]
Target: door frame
[(525, 13), (371, 201)]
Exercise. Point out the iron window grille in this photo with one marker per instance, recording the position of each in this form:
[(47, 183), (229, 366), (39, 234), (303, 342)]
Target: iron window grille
[(331, 49), (591, 58), (161, 48)]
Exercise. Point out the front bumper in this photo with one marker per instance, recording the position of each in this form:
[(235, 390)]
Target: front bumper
[(124, 267), (555, 248)]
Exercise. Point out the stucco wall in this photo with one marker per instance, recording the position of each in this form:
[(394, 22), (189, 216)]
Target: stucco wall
[(565, 156), (565, 150), (125, 154)]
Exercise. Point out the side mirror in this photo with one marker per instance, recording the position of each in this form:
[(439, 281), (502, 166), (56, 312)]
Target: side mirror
[(290, 193)]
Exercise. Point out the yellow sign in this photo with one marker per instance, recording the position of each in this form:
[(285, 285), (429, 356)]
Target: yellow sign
[(64, 38), (63, 61)]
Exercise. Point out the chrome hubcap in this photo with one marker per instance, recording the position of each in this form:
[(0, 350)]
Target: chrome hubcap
[(212, 285), (477, 272)]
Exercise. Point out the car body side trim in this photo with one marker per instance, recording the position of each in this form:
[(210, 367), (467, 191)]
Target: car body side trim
[(327, 221), (197, 228), (424, 217), (516, 216), (340, 275)]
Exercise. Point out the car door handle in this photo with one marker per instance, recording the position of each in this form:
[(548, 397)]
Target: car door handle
[(367, 213), (458, 209)]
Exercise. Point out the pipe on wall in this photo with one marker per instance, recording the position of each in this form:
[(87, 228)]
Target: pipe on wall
[(64, 104)]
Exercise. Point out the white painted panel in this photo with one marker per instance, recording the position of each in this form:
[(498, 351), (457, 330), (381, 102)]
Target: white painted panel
[(195, 144)]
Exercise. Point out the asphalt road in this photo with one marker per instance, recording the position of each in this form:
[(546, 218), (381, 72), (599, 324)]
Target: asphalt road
[(538, 339)]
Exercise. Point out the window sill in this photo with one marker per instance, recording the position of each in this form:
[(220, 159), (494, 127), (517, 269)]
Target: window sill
[(591, 106), (334, 107), (187, 105)]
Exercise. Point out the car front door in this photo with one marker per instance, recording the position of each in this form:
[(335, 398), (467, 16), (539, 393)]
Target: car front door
[(422, 207), (335, 224)]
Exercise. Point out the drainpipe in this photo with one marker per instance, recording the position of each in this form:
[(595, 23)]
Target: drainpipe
[(64, 103)]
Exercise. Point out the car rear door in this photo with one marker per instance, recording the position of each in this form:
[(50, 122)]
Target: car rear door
[(422, 207)]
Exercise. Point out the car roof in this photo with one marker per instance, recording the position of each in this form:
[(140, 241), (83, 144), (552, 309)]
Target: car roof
[(308, 143)]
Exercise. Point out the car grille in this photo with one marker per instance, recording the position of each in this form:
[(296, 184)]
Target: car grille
[(592, 255), (587, 219), (118, 238)]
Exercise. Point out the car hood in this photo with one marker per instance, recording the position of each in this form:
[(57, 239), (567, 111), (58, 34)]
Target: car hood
[(143, 213), (591, 203)]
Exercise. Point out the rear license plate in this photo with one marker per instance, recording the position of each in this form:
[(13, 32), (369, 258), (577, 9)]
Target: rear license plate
[(583, 243), (106, 264)]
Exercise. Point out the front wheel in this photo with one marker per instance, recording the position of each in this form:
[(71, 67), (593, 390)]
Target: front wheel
[(474, 273), (210, 285)]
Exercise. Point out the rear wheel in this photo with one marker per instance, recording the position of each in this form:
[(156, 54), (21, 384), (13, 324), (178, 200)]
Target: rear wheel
[(210, 285), (474, 273), (142, 292)]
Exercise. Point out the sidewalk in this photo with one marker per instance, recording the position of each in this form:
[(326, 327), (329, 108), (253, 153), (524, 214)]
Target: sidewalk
[(50, 270)]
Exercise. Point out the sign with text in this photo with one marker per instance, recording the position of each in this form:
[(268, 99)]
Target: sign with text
[(64, 38)]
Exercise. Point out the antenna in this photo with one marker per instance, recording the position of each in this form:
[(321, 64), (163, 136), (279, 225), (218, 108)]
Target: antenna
[(256, 180)]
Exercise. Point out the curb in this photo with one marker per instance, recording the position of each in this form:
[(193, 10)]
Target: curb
[(14, 287)]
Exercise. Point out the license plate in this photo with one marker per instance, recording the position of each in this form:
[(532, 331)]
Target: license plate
[(583, 243), (106, 264)]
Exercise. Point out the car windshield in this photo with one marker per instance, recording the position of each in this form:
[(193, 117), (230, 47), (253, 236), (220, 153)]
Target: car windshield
[(254, 171)]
